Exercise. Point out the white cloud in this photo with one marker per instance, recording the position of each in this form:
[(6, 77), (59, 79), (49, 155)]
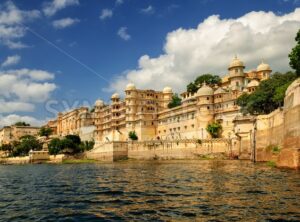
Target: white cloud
[(122, 32), (11, 15), (210, 47), (119, 2), (149, 10), (33, 74), (106, 13), (21, 89), (64, 23), (50, 8), (11, 24), (13, 118), (8, 107), (11, 60)]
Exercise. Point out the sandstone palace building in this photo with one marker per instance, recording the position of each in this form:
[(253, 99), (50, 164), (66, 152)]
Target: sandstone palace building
[(146, 111)]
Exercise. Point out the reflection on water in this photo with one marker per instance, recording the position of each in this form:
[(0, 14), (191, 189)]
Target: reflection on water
[(158, 191)]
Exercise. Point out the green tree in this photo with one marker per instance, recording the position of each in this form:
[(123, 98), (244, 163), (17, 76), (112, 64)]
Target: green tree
[(74, 138), (242, 101), (55, 146), (268, 96), (7, 148), (21, 124), (45, 131), (132, 135), (214, 129), (26, 144), (295, 55), (208, 78), (176, 101), (87, 145)]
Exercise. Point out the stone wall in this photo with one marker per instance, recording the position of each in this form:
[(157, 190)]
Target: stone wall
[(270, 132), (110, 151), (160, 149), (281, 128)]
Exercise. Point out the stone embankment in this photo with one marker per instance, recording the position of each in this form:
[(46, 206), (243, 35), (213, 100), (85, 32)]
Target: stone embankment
[(162, 150), (278, 133)]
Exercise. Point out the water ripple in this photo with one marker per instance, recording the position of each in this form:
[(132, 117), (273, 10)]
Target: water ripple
[(149, 191)]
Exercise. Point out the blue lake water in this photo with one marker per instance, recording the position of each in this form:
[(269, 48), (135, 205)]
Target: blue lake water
[(149, 191)]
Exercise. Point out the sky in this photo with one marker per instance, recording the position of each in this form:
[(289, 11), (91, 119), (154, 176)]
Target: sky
[(60, 54)]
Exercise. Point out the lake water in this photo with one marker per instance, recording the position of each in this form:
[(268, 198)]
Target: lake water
[(149, 191)]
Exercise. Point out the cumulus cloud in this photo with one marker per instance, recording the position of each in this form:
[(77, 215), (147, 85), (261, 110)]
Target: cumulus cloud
[(8, 107), (64, 23), (210, 46), (11, 60), (11, 24), (50, 8), (122, 32), (106, 13), (13, 118), (149, 10), (21, 89)]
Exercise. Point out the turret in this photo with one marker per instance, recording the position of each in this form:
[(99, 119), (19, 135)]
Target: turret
[(263, 71), (167, 94), (236, 73)]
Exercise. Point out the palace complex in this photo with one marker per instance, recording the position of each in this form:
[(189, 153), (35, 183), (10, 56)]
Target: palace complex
[(146, 111)]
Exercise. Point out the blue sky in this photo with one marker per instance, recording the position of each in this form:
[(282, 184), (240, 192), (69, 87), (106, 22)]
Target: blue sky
[(71, 51)]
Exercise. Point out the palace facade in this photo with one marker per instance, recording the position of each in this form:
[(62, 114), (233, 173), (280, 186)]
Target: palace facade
[(146, 111), (12, 133)]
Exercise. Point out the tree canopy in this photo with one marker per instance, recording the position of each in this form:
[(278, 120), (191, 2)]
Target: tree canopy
[(208, 78), (69, 144), (21, 124), (295, 55), (268, 96), (176, 101), (25, 144), (45, 131)]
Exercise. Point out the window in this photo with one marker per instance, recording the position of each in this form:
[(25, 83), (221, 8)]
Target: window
[(237, 83), (207, 98), (236, 70)]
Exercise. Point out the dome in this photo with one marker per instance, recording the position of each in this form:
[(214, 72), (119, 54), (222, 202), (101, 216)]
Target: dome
[(253, 83), (167, 90), (263, 67), (220, 90), (130, 86), (236, 63), (205, 90), (99, 102), (115, 96)]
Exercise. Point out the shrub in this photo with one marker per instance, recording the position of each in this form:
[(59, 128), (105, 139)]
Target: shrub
[(214, 129), (132, 135)]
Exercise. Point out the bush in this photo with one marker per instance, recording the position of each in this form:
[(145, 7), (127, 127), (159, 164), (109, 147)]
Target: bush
[(214, 129), (132, 135)]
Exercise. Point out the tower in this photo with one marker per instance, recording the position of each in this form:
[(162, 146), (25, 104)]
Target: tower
[(236, 73), (167, 96), (205, 111)]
